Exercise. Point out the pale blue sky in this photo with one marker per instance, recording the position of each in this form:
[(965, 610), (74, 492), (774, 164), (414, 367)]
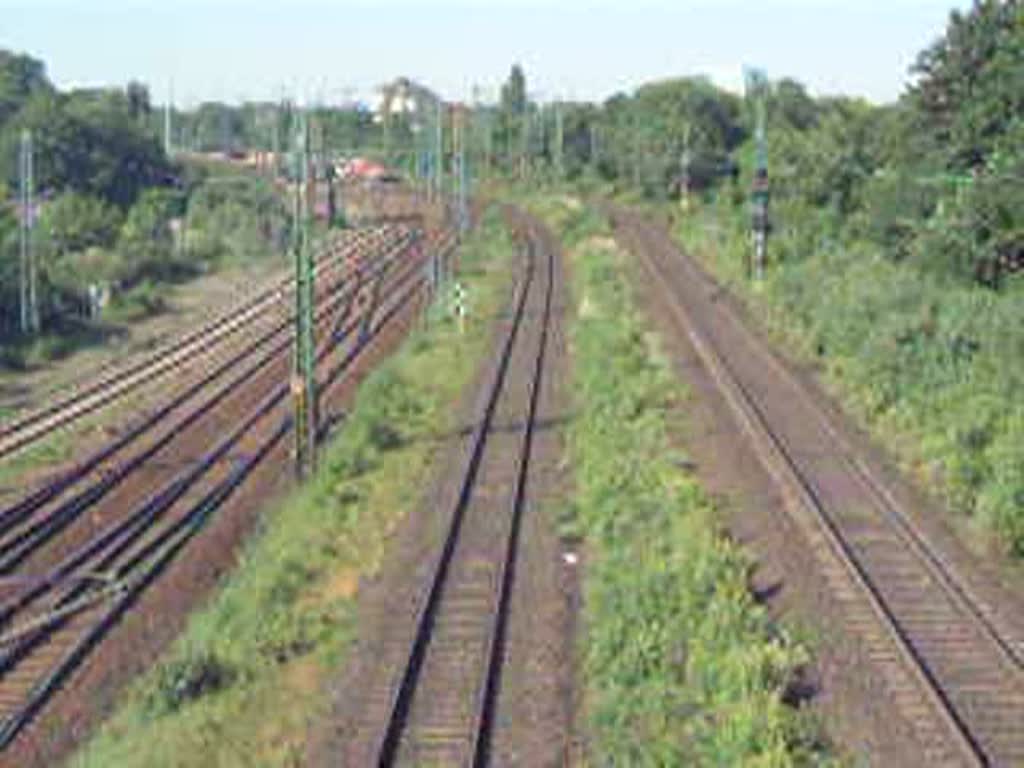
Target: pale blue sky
[(233, 49)]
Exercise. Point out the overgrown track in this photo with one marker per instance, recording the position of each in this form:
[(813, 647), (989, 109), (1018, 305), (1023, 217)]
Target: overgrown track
[(53, 614), (210, 338), (950, 665), (438, 707)]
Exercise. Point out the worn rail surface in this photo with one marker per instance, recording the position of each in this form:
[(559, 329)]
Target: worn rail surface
[(950, 663)]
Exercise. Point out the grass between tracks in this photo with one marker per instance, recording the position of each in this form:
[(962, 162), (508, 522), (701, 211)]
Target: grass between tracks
[(245, 680), (933, 367), (681, 667)]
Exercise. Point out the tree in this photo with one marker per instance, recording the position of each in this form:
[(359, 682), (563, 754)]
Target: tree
[(146, 243), (513, 92), (86, 141), (791, 104), (513, 114), (74, 222), (970, 82), (138, 100), (21, 76)]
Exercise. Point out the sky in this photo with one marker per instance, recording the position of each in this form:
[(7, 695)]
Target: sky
[(317, 50)]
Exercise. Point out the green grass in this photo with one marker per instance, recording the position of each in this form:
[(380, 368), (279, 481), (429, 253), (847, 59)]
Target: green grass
[(680, 666), (243, 683), (932, 366)]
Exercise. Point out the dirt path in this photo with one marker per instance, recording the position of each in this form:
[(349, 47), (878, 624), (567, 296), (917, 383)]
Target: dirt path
[(868, 708)]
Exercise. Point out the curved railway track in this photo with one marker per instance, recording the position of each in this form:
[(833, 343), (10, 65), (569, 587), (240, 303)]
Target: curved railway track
[(110, 385), (952, 666), (436, 705), (65, 580)]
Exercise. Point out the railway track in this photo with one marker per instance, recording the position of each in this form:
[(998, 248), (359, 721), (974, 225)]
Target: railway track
[(61, 594), (109, 464), (111, 385), (435, 703), (952, 666)]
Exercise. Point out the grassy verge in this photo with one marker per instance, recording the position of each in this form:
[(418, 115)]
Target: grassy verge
[(246, 678), (681, 667), (932, 367)]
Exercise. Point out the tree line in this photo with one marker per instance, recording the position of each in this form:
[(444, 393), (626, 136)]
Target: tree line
[(115, 216)]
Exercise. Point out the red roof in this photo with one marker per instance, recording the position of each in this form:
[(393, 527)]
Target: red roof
[(365, 169)]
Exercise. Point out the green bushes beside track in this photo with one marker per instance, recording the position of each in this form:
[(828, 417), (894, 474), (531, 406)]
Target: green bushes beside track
[(933, 365), (680, 666)]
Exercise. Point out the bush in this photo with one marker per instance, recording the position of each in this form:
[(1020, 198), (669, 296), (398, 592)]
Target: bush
[(932, 364), (681, 666), (185, 678)]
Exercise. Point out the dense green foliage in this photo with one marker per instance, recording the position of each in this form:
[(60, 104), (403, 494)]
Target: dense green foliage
[(266, 126), (244, 681), (88, 141), (115, 215), (934, 367), (680, 666), (888, 223), (933, 179)]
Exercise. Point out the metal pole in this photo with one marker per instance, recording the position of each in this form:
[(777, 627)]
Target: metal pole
[(303, 385), (439, 154), (167, 120), (684, 179), (756, 85), (27, 275), (637, 152), (463, 175), (33, 301), (525, 157), (559, 142), (23, 233)]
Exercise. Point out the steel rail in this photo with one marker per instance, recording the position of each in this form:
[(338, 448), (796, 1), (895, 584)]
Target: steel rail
[(387, 744), (916, 652), (25, 507), (133, 571), (33, 426)]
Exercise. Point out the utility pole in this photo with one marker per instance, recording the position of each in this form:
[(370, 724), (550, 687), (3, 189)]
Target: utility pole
[(29, 305), (275, 140), (684, 177), (303, 383), (225, 130), (525, 155), (459, 148), (488, 140), (167, 119), (636, 151), (476, 148), (756, 86), (439, 154), (559, 142), (593, 145)]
